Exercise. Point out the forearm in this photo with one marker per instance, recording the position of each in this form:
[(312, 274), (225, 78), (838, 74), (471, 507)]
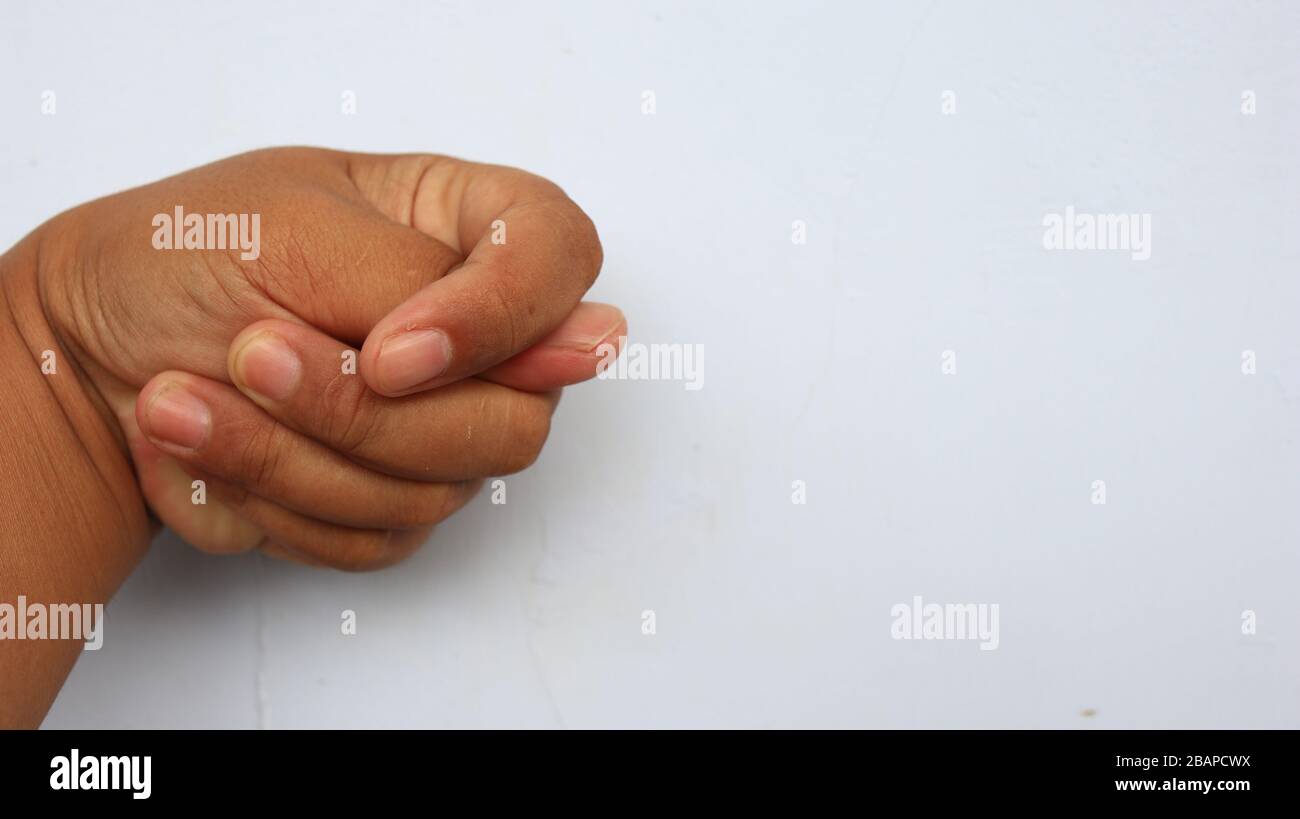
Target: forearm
[(73, 524)]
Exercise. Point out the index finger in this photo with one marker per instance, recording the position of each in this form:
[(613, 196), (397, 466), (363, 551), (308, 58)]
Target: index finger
[(531, 254)]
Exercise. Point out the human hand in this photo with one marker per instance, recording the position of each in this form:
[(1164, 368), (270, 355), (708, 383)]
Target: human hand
[(436, 268)]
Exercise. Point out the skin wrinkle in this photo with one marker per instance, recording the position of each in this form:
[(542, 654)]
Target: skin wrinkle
[(443, 226), (96, 319), (31, 420), (120, 314), (295, 257), (259, 274), (347, 169), (265, 441), (355, 432), (258, 285), (235, 301), (70, 533), (95, 308), (462, 221), (430, 164), (197, 299), (66, 360), (515, 443), (507, 312), (84, 325)]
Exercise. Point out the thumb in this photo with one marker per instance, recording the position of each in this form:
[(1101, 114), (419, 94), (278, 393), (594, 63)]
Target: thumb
[(568, 355)]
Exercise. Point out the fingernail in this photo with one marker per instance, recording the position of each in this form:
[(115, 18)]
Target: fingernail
[(268, 366), (411, 358), (586, 327), (179, 418)]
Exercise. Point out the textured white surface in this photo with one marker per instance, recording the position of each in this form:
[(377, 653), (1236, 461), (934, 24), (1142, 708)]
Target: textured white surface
[(822, 365)]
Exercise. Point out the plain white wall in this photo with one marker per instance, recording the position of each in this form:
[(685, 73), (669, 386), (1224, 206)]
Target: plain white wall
[(823, 361)]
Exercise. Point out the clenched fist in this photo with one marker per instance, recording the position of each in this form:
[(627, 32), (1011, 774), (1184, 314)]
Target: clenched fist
[(339, 346)]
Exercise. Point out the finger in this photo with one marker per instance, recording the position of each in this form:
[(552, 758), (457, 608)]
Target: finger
[(322, 253), (592, 333), (181, 504), (303, 539), (530, 255), (211, 427), (470, 429), (346, 280), (281, 551)]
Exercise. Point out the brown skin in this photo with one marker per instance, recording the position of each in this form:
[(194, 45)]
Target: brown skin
[(73, 524), (319, 466)]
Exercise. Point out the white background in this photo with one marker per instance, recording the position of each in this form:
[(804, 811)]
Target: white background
[(822, 361)]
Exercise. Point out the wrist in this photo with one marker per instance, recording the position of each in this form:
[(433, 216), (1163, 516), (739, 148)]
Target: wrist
[(66, 412), (73, 524)]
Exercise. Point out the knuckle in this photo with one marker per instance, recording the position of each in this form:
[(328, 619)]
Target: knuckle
[(430, 505), (232, 495), (259, 458), (526, 425), (352, 421), (581, 240), (364, 550), (442, 504), (221, 527), (508, 313)]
